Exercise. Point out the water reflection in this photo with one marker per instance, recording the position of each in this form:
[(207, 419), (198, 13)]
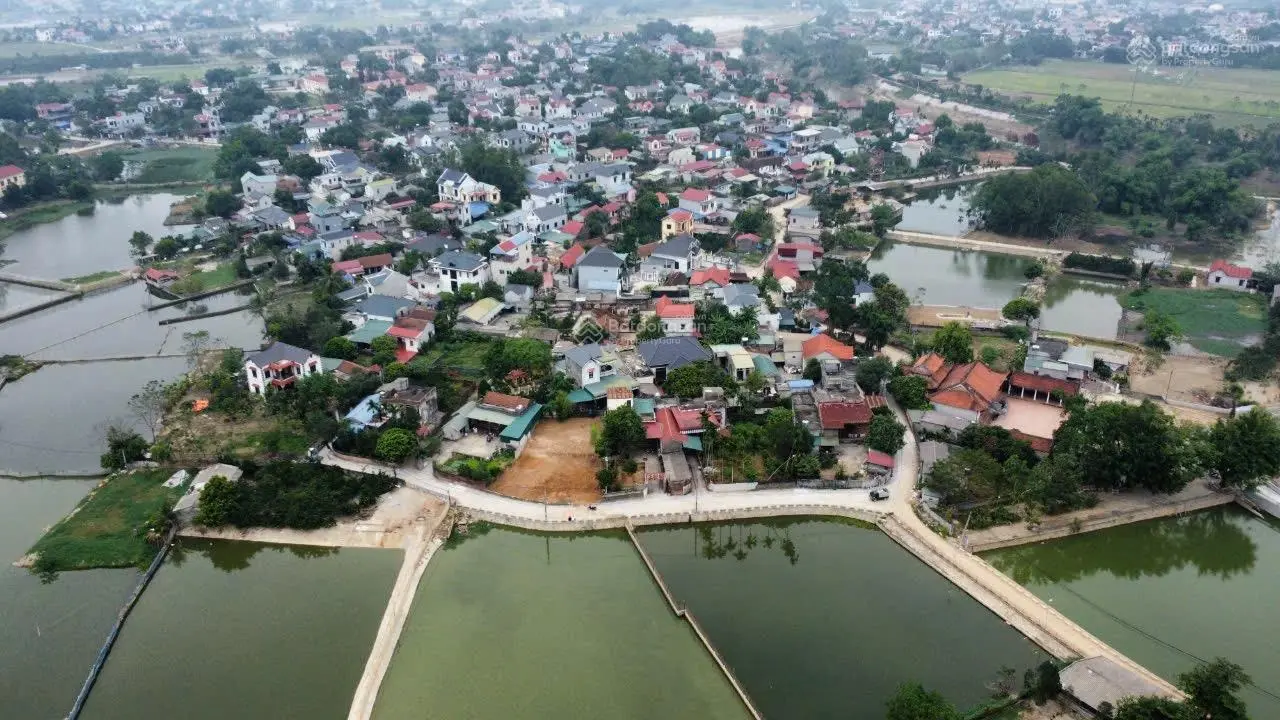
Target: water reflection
[(739, 540), (1213, 543), (235, 556)]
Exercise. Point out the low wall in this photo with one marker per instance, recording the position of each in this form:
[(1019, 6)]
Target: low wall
[(614, 522), (687, 615), (1124, 518), (732, 487), (201, 316), (32, 309)]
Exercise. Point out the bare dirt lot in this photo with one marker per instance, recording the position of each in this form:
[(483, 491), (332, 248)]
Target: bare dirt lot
[(558, 461)]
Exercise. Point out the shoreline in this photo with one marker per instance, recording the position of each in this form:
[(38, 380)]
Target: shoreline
[(1106, 514)]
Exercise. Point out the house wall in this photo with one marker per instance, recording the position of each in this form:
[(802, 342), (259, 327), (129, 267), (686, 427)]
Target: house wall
[(1219, 279), (598, 278)]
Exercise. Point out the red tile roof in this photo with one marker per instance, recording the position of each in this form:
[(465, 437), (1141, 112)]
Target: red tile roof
[(1231, 271), (875, 457), (717, 275), (784, 268), (837, 415), (668, 308), (571, 256), (8, 171), (933, 367), (573, 227), (695, 195), (158, 275), (618, 393), (1042, 446), (511, 403), (680, 215), (819, 344), (972, 386), (1042, 383)]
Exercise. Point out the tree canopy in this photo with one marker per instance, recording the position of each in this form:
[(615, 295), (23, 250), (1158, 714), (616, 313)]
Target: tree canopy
[(1119, 446)]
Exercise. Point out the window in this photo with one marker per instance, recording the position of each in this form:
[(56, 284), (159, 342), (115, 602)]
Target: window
[(253, 372), (591, 373)]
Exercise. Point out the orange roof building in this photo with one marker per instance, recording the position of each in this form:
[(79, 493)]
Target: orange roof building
[(932, 367), (825, 345), (972, 387)]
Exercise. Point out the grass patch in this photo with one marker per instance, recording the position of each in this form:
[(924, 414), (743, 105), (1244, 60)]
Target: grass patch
[(1235, 96), (170, 165), (193, 71), (40, 213), (203, 280), (91, 277), (465, 356), (108, 529), (1219, 322), (43, 49)]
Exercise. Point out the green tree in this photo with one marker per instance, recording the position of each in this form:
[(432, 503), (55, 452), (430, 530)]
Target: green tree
[(1151, 708), (341, 348), (651, 330), (166, 248), (1047, 202), (532, 356), (1118, 446), (813, 370), (384, 349), (883, 219), (1045, 682), (221, 203), (107, 166), (1246, 448), (560, 406), (913, 702), (871, 372), (911, 392), (396, 445), (1161, 329), (1021, 309), (1212, 690), (954, 342), (886, 434), (621, 433), (688, 381), (139, 242), (123, 447), (785, 436), (218, 503)]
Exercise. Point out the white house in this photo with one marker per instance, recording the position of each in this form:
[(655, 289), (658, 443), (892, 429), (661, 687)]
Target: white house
[(600, 269), (586, 364), (253, 184), (1223, 274), (457, 268), (676, 254), (459, 187), (278, 366), (514, 253)]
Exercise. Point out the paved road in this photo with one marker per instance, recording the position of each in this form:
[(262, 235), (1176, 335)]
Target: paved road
[(1012, 602)]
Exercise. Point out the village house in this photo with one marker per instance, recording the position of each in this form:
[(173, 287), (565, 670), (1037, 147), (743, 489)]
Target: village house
[(12, 176), (514, 253), (663, 355), (278, 365), (599, 269), (587, 364), (457, 268), (1223, 274), (676, 317), (678, 221), (459, 187)]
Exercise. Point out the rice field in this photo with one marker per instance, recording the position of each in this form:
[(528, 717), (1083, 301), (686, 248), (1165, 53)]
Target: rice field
[(1234, 96)]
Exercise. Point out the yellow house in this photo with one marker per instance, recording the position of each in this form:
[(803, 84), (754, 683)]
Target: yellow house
[(677, 222)]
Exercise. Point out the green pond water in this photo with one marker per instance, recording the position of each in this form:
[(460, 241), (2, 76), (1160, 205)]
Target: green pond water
[(1169, 593), (516, 625), (49, 632), (246, 630), (822, 619)]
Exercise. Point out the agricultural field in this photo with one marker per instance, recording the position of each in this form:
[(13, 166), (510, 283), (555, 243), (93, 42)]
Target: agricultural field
[(178, 164), (191, 71), (46, 49), (1233, 96), (1218, 322)]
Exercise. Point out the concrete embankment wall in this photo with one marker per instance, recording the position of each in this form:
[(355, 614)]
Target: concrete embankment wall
[(1124, 518), (614, 522), (418, 551), (1045, 626), (687, 615), (32, 309)]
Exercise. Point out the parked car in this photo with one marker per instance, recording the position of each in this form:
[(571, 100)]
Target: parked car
[(880, 494)]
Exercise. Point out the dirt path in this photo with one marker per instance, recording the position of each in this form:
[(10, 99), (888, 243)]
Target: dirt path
[(558, 465)]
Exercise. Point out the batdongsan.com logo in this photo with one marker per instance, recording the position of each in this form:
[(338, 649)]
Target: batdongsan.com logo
[(589, 331), (1142, 52)]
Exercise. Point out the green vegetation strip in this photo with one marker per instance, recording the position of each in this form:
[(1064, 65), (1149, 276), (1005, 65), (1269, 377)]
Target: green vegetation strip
[(1234, 94), (92, 277), (109, 528), (167, 165), (1213, 321)]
